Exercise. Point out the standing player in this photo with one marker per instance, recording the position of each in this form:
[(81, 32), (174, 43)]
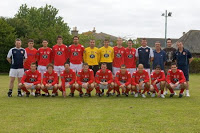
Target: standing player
[(183, 58), (118, 60), (76, 55), (140, 81), (123, 80), (170, 51), (159, 56), (44, 57), (68, 78), (176, 80), (157, 82), (91, 56), (145, 55), (31, 54), (50, 81), (104, 80), (130, 58), (31, 80), (60, 55), (16, 57), (85, 79)]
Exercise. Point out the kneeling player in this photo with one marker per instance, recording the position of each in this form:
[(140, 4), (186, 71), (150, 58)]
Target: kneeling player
[(140, 81), (50, 80), (175, 80), (157, 82), (123, 80), (104, 80), (68, 78), (85, 79), (31, 80)]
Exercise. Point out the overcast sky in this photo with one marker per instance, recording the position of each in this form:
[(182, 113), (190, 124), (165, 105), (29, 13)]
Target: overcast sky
[(122, 18)]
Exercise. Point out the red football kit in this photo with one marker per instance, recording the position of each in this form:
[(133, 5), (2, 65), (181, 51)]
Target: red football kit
[(60, 54), (103, 77), (50, 78), (118, 56), (76, 53), (159, 77), (44, 56), (31, 57), (31, 77), (87, 77), (178, 76), (138, 77), (68, 76), (123, 78), (129, 58)]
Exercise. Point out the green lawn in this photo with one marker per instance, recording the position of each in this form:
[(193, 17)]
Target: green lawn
[(104, 114)]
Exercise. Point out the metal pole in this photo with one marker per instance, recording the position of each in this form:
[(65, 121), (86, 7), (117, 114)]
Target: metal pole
[(166, 27)]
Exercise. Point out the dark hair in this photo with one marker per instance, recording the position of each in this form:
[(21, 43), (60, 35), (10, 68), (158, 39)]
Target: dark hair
[(144, 39), (106, 40), (59, 37), (158, 67), (103, 64), (50, 65), (130, 40), (85, 64), (67, 63), (75, 37), (17, 39), (44, 40), (123, 65), (30, 40), (33, 63), (173, 63), (169, 39)]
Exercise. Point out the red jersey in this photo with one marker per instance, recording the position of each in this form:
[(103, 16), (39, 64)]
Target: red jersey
[(68, 77), (178, 76), (44, 56), (138, 77), (159, 77), (87, 77), (31, 57), (31, 77), (50, 78), (118, 56), (60, 54), (76, 53), (130, 58), (103, 77), (123, 78)]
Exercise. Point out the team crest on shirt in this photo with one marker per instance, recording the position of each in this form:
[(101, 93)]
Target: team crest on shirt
[(22, 51), (63, 49), (92, 56), (48, 52), (75, 53), (59, 53), (68, 80), (140, 80), (103, 80), (85, 79), (123, 81), (32, 79), (118, 55), (147, 50), (184, 53), (45, 56), (50, 81), (15, 52), (106, 55), (175, 80), (130, 56)]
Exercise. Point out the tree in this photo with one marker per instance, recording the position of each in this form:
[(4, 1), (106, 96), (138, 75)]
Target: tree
[(40, 23), (7, 39)]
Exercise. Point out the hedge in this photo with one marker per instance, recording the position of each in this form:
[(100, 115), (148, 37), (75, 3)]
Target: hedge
[(195, 66)]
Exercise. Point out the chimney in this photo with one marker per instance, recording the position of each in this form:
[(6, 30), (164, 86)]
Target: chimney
[(94, 30), (74, 32)]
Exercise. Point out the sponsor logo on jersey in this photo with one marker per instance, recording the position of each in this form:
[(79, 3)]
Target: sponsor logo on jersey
[(85, 79), (106, 55), (75, 53), (59, 53), (50, 81), (118, 55), (92, 56), (32, 79), (68, 79), (130, 56), (44, 56)]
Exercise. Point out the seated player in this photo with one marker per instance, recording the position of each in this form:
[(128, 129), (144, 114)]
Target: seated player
[(140, 81), (85, 79), (175, 80), (123, 80), (50, 81), (104, 80), (68, 78), (31, 80), (157, 82)]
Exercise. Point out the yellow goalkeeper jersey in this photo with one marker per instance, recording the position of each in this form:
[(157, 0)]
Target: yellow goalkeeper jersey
[(91, 56), (106, 54)]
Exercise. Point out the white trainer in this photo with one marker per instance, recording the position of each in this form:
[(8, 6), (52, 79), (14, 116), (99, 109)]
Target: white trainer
[(33, 93), (136, 94), (153, 94), (23, 93), (143, 95), (165, 93), (175, 94), (187, 94), (162, 96)]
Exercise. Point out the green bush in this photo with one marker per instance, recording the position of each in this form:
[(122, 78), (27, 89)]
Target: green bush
[(195, 66)]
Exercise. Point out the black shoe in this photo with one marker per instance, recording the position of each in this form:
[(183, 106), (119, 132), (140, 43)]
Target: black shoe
[(19, 94), (180, 95), (56, 93), (171, 95), (81, 95), (126, 94), (117, 95), (99, 94), (148, 93), (10, 94), (37, 94), (86, 94), (123, 93), (71, 94), (46, 95), (107, 94), (89, 94), (27, 94)]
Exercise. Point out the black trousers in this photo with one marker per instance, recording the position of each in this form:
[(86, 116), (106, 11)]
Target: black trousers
[(95, 68)]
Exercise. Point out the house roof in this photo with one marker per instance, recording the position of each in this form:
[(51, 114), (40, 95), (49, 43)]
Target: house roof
[(191, 41)]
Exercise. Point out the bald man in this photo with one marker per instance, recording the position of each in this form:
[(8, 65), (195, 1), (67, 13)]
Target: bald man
[(140, 81)]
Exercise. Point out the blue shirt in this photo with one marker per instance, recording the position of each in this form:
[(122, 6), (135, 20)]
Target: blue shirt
[(182, 58), (17, 56), (144, 54), (159, 59)]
